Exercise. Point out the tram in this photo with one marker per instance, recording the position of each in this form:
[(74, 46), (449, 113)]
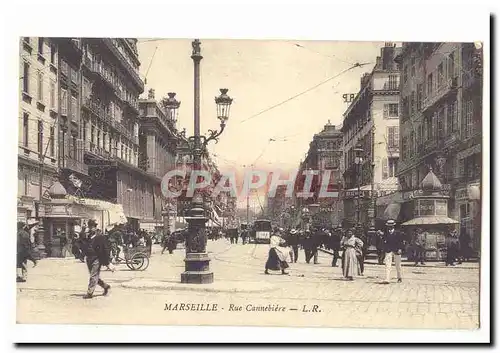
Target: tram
[(262, 229)]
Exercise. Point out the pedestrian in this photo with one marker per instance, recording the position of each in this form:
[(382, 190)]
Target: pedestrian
[(335, 245), (24, 250), (97, 255), (307, 245), (293, 241), (351, 245), (278, 255), (361, 251), (452, 248), (393, 247), (419, 244)]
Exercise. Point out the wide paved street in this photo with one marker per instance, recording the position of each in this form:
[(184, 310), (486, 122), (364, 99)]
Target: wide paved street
[(431, 296)]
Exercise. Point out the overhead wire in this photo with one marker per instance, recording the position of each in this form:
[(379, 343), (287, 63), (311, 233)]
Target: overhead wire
[(303, 92)]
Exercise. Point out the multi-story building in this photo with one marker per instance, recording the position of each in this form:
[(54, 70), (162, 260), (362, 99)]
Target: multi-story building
[(109, 124), (324, 155), (158, 138), (441, 117), (372, 122), (38, 137)]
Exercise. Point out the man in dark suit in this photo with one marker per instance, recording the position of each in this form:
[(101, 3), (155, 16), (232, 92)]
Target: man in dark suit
[(393, 247), (335, 245), (97, 254)]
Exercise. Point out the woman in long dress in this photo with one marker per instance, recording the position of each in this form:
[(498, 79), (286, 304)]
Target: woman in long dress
[(277, 259), (350, 263)]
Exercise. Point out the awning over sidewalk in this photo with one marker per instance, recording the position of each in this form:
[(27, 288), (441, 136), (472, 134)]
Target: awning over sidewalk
[(106, 213), (427, 220)]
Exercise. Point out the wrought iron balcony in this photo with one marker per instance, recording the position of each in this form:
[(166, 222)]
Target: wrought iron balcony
[(99, 151), (75, 165), (98, 110)]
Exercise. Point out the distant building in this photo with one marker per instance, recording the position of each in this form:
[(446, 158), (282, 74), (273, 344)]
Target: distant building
[(158, 138), (324, 155), (372, 122)]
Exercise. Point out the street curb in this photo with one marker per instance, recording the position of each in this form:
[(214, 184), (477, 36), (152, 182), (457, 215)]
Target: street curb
[(216, 287), (436, 264)]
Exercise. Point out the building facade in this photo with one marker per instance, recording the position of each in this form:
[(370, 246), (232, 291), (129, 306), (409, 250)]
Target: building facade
[(441, 126), (372, 122), (324, 156), (38, 125), (158, 138)]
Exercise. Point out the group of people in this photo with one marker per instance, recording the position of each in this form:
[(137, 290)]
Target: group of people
[(284, 247)]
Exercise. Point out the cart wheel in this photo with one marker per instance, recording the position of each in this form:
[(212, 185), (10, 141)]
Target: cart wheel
[(129, 265), (137, 262)]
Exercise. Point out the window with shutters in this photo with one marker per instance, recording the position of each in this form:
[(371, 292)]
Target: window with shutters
[(440, 75), (75, 148), (451, 65), (393, 136), (40, 45), (53, 54), (40, 87), (413, 66), (40, 136), (391, 110), (86, 88), (52, 142), (52, 95), (26, 77), (430, 87), (439, 116), (25, 129), (385, 168), (467, 112), (73, 107), (420, 96), (412, 102), (64, 102)]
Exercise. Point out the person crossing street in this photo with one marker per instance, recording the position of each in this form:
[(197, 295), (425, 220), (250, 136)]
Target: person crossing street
[(97, 255)]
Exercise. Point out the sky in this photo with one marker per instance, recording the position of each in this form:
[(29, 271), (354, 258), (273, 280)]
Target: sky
[(259, 74)]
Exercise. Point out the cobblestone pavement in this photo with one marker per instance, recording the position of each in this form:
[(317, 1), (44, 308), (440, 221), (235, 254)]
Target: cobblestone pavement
[(429, 297)]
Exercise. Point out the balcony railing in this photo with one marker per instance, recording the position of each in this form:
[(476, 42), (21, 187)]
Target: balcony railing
[(133, 73), (99, 151), (98, 110), (448, 86), (75, 165)]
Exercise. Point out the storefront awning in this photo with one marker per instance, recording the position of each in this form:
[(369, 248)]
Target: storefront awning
[(392, 211), (113, 213), (428, 220)]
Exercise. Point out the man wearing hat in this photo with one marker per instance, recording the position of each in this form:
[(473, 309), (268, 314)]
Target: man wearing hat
[(24, 249), (393, 247), (293, 241), (97, 254)]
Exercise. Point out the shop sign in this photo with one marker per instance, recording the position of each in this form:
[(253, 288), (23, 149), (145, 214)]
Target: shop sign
[(426, 208), (351, 194)]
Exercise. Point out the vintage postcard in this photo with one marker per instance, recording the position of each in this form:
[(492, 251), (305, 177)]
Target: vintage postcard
[(231, 182)]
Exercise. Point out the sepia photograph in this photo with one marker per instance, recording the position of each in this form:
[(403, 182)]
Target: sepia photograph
[(250, 182)]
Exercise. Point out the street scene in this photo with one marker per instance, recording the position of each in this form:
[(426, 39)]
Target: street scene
[(257, 183)]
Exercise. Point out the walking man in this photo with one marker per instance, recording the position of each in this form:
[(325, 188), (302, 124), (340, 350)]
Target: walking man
[(335, 245), (393, 247), (420, 244), (97, 256), (293, 241)]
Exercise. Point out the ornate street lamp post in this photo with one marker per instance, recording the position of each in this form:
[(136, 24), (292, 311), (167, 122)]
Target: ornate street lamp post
[(197, 262), (358, 160)]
